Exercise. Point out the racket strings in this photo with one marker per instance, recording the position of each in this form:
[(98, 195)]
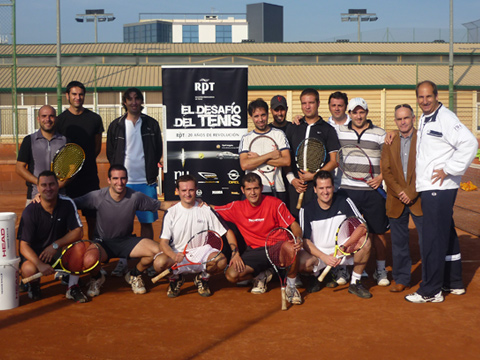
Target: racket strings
[(80, 257), (354, 163), (68, 161), (352, 235), (310, 156)]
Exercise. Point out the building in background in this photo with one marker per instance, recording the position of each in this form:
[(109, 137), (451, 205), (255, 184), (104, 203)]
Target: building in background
[(262, 23), (265, 22)]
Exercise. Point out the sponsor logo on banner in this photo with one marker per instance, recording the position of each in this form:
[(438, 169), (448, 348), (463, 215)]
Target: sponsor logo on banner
[(199, 192), (233, 175), (217, 192), (208, 178)]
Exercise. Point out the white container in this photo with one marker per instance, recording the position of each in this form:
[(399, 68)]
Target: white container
[(8, 250), (9, 292)]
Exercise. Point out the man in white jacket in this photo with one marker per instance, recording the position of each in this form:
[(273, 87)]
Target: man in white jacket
[(445, 150)]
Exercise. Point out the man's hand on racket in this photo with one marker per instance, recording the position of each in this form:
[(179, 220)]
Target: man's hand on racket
[(305, 175), (44, 268), (178, 258), (330, 260), (375, 182), (299, 185)]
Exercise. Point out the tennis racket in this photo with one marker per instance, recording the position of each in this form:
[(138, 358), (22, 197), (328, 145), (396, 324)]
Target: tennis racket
[(310, 156), (262, 145), (356, 165), (281, 254), (195, 249), (351, 236), (68, 161), (77, 258)]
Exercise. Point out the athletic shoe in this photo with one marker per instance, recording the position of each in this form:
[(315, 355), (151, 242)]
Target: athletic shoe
[(382, 277), (174, 286), (260, 285), (420, 299), (293, 295), (22, 287), (151, 271), (202, 285), (75, 293), (34, 291), (299, 282), (62, 276), (454, 291), (330, 281), (341, 275), (138, 286), (244, 282), (121, 269), (313, 284), (95, 284), (103, 271), (359, 290)]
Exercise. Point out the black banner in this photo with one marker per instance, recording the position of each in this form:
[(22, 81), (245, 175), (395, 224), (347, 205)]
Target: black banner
[(206, 118)]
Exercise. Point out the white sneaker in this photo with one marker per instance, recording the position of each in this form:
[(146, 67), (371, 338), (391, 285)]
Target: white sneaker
[(95, 284), (382, 277), (454, 291), (260, 282), (138, 286), (293, 295), (121, 268), (341, 275), (420, 299)]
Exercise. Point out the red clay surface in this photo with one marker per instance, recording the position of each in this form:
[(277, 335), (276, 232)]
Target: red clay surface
[(234, 324)]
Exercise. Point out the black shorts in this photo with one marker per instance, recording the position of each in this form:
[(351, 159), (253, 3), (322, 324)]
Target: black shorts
[(372, 206), (256, 259), (38, 252), (119, 247)]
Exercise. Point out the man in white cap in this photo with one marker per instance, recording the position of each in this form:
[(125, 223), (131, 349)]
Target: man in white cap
[(361, 132)]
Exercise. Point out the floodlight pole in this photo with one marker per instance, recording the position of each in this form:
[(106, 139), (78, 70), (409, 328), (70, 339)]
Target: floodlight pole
[(358, 15), (59, 65), (451, 101)]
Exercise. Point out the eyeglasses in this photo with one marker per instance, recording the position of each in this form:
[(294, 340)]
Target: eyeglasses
[(405, 106)]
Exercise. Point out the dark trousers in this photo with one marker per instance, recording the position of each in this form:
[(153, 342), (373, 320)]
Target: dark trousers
[(402, 262), (442, 263)]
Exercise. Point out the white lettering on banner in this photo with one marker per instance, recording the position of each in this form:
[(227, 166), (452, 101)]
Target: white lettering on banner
[(204, 134), (210, 116)]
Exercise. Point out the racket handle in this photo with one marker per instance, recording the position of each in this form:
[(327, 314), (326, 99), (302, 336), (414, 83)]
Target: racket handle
[(161, 275), (33, 277), (300, 200), (284, 298), (324, 273), (382, 192)]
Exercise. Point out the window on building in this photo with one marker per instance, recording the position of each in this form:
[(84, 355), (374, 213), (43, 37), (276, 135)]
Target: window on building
[(190, 33), (223, 33)]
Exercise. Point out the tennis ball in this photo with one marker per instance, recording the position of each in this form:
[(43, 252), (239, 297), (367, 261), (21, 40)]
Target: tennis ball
[(201, 155)]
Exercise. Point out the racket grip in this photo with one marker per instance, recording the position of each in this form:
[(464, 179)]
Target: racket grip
[(284, 299), (324, 273), (161, 275), (300, 200), (382, 192), (33, 277)]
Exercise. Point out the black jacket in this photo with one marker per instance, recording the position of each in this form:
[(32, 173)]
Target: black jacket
[(152, 144)]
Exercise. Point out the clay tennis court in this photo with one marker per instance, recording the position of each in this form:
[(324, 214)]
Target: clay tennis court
[(235, 324)]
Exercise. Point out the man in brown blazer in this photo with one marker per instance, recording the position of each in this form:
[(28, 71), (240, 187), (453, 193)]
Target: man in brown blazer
[(398, 169)]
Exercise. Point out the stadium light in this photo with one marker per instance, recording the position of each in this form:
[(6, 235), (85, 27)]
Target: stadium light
[(359, 15), (95, 15)]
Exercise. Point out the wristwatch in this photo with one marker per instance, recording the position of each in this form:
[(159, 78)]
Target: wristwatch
[(55, 246)]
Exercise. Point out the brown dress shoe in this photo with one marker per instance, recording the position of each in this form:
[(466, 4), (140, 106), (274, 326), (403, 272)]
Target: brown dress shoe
[(398, 287)]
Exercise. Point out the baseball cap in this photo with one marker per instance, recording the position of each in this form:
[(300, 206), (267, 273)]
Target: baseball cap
[(357, 102), (278, 100)]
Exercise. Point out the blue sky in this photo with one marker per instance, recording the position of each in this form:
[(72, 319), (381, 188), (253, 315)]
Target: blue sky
[(304, 20)]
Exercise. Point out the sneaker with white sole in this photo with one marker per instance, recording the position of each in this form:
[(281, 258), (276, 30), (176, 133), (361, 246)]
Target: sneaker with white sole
[(121, 269), (138, 286), (381, 276), (293, 295), (260, 282), (420, 299), (75, 293), (34, 291), (454, 291), (341, 275), (174, 286), (95, 285), (358, 289), (202, 285)]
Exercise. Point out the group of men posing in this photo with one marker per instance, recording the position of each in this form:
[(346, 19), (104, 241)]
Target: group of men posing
[(422, 170)]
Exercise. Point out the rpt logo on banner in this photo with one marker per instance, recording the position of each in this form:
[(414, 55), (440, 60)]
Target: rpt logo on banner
[(204, 85)]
